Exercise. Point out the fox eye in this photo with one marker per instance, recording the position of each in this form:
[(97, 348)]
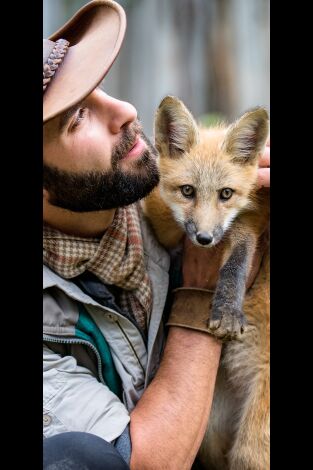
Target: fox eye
[(187, 190), (226, 193)]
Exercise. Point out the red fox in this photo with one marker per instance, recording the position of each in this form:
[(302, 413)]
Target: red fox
[(208, 190)]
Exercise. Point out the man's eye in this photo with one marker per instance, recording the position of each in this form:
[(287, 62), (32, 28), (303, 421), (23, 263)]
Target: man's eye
[(78, 118)]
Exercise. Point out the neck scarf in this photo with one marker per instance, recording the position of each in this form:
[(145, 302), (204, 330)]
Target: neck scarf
[(117, 259)]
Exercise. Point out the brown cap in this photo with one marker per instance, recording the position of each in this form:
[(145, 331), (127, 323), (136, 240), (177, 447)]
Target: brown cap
[(78, 56)]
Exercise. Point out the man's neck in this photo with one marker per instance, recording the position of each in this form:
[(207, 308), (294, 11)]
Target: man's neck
[(82, 224)]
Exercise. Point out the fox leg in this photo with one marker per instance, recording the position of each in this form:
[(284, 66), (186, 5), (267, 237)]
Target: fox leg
[(227, 320)]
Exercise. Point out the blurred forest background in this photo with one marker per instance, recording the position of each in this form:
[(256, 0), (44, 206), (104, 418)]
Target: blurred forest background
[(212, 54)]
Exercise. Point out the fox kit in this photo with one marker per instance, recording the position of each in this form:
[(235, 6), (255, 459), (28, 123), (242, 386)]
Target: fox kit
[(208, 191)]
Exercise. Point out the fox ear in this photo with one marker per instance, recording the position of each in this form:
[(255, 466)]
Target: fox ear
[(246, 138), (174, 127)]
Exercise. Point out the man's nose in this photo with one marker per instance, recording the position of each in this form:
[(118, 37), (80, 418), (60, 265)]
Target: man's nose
[(117, 112)]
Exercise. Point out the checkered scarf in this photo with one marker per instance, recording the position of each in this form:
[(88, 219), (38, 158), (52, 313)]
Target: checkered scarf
[(116, 259)]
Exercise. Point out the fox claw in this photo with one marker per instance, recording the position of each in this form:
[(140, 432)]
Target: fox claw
[(227, 323)]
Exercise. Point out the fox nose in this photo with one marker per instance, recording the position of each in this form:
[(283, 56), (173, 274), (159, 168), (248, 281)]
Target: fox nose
[(204, 238)]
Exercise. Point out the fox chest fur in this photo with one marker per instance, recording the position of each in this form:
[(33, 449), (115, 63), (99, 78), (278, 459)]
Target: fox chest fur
[(208, 191)]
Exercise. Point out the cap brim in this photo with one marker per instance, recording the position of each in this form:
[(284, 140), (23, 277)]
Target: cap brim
[(95, 34)]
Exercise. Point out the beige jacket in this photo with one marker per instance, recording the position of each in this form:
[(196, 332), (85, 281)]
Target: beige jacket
[(75, 395)]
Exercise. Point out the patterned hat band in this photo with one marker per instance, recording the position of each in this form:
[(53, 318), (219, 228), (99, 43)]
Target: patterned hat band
[(54, 60)]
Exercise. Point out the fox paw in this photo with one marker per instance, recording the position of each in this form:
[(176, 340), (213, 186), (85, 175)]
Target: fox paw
[(227, 323)]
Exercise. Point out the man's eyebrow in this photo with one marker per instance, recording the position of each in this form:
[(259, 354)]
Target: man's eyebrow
[(66, 116)]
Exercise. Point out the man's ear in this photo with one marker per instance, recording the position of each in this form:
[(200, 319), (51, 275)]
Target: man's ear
[(174, 127), (246, 138)]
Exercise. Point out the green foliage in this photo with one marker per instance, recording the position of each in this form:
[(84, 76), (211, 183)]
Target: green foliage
[(211, 119)]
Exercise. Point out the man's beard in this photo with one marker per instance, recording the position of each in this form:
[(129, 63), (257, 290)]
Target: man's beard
[(96, 190)]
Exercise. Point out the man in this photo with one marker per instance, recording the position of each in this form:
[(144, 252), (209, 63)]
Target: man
[(114, 395)]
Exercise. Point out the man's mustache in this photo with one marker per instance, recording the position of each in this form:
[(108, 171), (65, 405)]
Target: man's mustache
[(128, 140)]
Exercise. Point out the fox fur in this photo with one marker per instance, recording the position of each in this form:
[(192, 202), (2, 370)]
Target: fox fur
[(208, 190)]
